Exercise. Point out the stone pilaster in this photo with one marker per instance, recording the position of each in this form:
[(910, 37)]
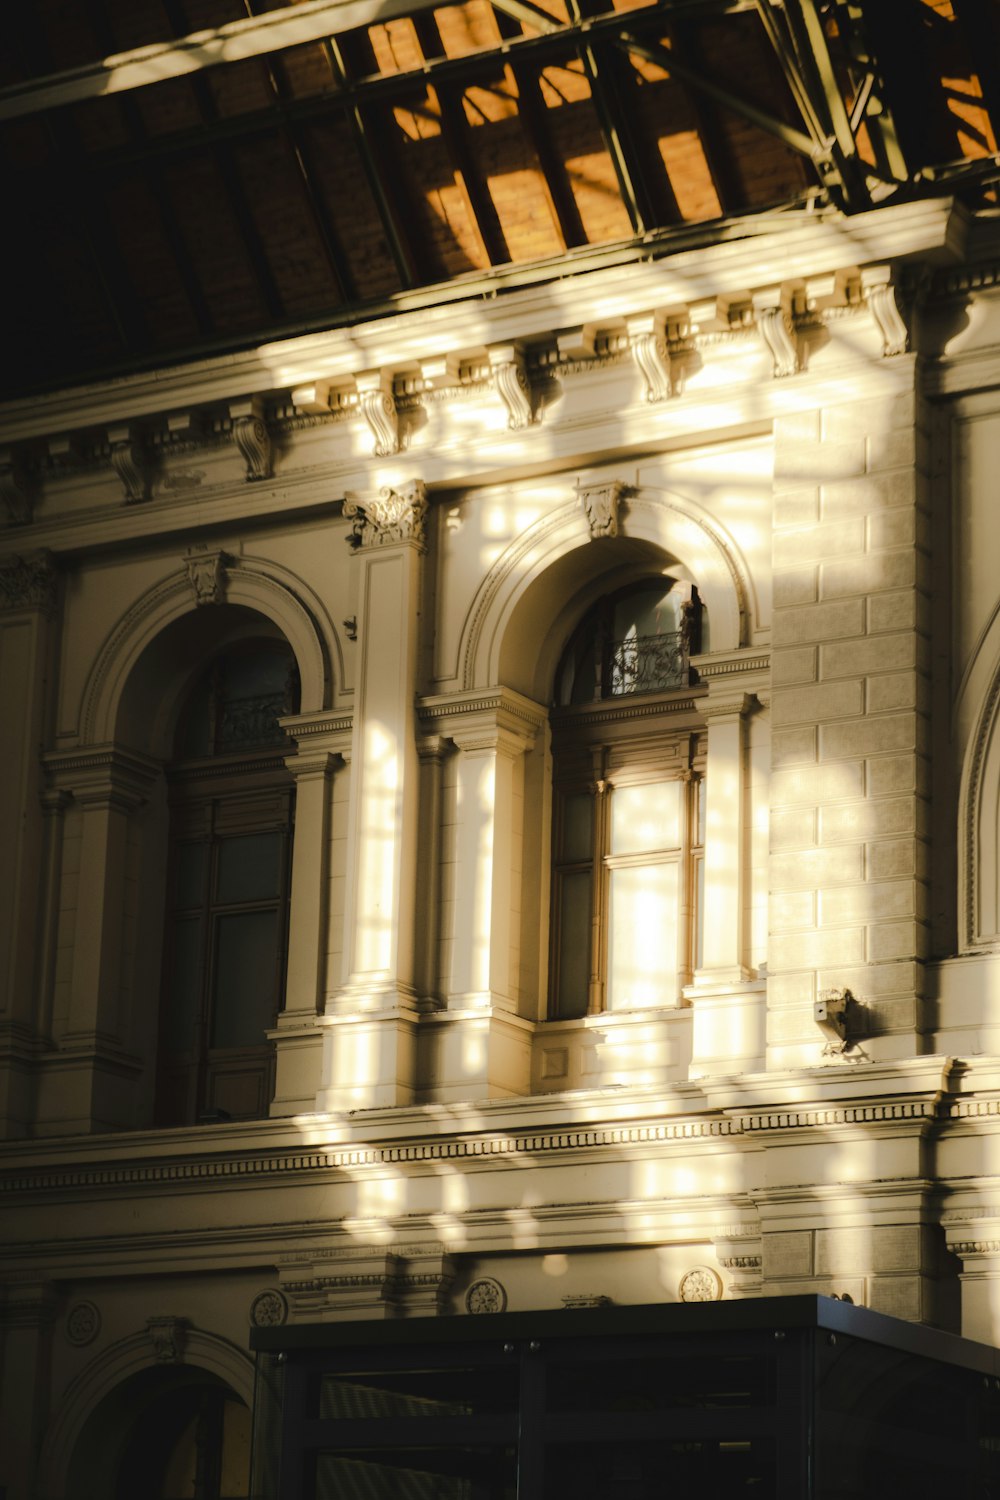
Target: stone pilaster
[(90, 1081), (849, 712), (27, 1312), (322, 741), (27, 608), (369, 1047), (479, 1045)]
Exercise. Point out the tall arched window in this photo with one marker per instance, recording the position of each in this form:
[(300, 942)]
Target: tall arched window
[(231, 815), (628, 804)]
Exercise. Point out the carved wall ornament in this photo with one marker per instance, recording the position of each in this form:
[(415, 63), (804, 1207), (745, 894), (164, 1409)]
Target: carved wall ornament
[(14, 496), (648, 343), (880, 294), (486, 1296), (775, 326), (378, 407), (128, 460), (252, 438), (167, 1338), (83, 1323), (28, 582), (510, 379), (600, 506), (394, 516), (207, 575), (700, 1284), (268, 1309)]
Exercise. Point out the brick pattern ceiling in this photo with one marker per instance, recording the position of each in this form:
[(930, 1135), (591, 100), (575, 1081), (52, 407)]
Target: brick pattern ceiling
[(336, 179)]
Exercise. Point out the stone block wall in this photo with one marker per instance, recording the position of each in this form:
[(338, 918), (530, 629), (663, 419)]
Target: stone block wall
[(849, 788)]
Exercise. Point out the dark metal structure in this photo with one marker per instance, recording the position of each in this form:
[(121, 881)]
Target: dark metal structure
[(791, 1398), (188, 175)]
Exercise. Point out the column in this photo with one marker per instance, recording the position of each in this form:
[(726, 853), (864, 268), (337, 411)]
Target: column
[(322, 740), (369, 1024), (26, 1317), (28, 599), (479, 1045), (90, 1083), (727, 999)]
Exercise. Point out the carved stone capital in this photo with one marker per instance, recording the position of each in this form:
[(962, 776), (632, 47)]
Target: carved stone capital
[(879, 291), (15, 500), (28, 582), (648, 343), (774, 324), (128, 459), (394, 516), (378, 407), (207, 576), (510, 380), (252, 438), (600, 506)]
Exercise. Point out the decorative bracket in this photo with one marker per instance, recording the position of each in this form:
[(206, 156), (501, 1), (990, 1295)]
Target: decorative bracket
[(510, 379), (649, 347), (14, 496), (394, 516), (128, 462), (600, 506), (880, 294), (251, 437), (207, 576), (771, 306), (378, 407)]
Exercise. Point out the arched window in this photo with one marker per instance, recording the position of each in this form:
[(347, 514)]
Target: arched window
[(628, 805), (231, 815)]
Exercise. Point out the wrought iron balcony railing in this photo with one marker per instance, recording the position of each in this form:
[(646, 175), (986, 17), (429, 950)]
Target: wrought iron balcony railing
[(648, 663)]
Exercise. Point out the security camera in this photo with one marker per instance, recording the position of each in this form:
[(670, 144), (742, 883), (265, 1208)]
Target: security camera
[(839, 1017)]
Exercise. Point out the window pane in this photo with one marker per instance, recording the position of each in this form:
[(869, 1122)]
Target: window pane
[(185, 986), (250, 867), (246, 961), (646, 817), (455, 1473), (642, 941), (578, 828), (574, 945), (189, 882)]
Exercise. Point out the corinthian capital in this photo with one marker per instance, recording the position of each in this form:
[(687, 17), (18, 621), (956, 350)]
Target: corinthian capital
[(392, 517)]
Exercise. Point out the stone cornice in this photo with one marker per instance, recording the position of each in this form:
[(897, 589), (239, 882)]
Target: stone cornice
[(752, 253)]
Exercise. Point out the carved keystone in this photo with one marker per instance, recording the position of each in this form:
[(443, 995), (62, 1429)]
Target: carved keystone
[(600, 506), (207, 576)]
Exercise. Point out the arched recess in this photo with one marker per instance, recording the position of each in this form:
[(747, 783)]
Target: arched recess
[(979, 828), (109, 1372), (249, 584), (529, 592)]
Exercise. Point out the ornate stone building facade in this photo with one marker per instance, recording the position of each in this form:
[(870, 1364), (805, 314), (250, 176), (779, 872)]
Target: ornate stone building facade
[(501, 811)]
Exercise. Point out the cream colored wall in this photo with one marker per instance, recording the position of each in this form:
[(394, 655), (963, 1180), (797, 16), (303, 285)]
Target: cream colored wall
[(429, 1128)]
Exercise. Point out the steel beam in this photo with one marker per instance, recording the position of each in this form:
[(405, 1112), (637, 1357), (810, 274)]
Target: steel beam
[(255, 36)]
